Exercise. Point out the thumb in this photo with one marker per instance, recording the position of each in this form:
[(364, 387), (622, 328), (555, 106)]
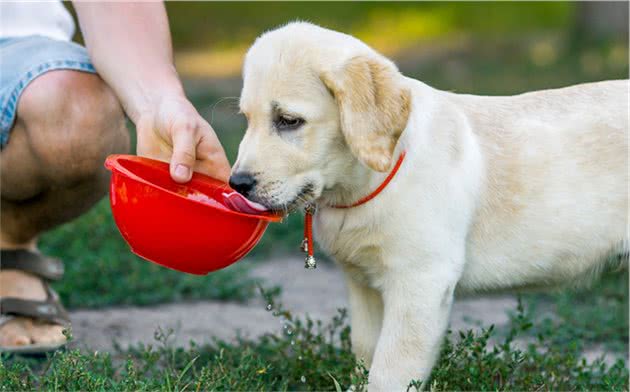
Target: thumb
[(211, 156), (184, 157)]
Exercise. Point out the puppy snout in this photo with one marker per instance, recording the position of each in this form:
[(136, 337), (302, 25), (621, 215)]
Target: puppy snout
[(243, 183)]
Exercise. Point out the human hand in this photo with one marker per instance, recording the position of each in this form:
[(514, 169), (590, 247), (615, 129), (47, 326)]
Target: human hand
[(172, 130)]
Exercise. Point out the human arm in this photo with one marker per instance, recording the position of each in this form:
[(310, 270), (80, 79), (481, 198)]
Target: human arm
[(130, 46)]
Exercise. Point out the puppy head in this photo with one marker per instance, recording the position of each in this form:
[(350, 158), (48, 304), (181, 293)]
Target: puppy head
[(317, 103)]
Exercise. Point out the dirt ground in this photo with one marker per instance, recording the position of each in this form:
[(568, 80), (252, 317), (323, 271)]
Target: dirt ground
[(316, 292)]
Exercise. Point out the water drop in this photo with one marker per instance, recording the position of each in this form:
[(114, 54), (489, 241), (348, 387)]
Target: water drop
[(299, 358), (303, 379), (292, 342), (289, 331), (269, 307), (285, 326)]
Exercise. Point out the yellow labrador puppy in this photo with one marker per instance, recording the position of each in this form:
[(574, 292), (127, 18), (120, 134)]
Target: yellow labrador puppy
[(493, 193)]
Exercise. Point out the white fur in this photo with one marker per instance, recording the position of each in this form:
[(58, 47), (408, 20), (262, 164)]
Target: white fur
[(494, 193)]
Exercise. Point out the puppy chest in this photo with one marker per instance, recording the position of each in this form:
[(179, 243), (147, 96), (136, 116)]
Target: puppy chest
[(357, 247)]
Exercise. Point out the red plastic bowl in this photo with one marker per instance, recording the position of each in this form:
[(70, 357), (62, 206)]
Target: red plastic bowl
[(162, 224)]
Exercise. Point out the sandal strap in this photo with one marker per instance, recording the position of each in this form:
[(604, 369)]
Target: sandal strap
[(5, 318), (49, 310), (29, 261)]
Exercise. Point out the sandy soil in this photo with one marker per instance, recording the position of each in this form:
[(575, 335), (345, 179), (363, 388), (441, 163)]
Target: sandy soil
[(318, 293)]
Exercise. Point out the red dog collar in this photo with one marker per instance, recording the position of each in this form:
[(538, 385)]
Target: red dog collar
[(309, 211)]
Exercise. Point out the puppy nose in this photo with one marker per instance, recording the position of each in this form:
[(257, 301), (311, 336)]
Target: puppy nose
[(242, 182)]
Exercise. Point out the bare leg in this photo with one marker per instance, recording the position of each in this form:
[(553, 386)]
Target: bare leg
[(51, 171)]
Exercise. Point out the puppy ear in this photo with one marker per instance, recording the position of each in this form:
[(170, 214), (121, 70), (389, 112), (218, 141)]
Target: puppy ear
[(373, 108)]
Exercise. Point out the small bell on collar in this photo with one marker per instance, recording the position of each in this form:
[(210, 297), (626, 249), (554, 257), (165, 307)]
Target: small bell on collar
[(310, 262)]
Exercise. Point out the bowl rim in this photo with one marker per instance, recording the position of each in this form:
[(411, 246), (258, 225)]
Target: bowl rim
[(113, 164)]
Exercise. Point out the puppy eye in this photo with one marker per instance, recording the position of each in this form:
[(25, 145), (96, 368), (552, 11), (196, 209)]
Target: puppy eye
[(283, 123)]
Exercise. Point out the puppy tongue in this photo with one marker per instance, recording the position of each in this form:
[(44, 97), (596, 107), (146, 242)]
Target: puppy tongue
[(239, 203)]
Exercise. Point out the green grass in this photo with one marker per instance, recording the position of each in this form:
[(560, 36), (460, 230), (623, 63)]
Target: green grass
[(311, 355), (591, 316)]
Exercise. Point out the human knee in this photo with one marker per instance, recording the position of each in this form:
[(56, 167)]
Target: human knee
[(73, 121)]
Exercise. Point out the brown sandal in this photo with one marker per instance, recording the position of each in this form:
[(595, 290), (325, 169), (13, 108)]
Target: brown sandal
[(50, 310)]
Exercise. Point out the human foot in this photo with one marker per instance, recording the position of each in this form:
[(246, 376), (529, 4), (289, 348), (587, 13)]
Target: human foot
[(35, 323)]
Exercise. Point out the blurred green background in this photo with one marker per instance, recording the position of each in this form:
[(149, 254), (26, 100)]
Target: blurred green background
[(481, 48)]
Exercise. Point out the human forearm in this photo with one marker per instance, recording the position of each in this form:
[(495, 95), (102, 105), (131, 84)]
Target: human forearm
[(130, 46)]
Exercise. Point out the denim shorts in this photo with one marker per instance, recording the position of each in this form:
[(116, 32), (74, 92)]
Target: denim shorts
[(22, 59)]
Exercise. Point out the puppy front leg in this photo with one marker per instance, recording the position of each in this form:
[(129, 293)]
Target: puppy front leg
[(366, 317), (417, 306)]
